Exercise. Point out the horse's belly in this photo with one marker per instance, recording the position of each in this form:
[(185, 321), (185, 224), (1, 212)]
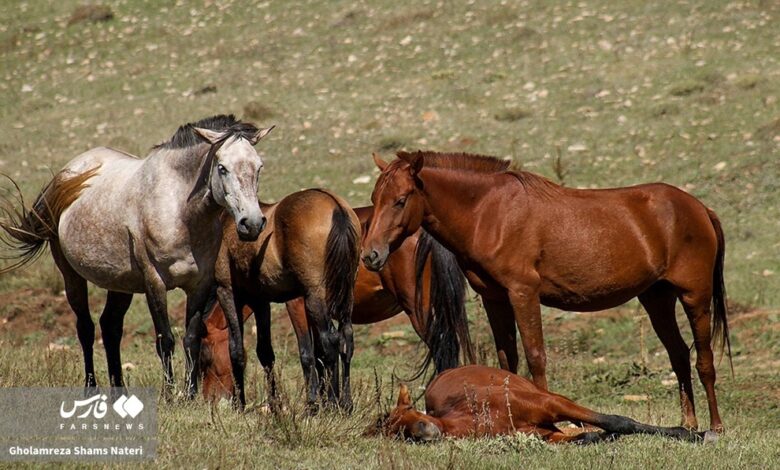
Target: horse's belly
[(591, 299), (103, 266)]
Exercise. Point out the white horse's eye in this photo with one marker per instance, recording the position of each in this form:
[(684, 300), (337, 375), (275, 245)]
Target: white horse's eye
[(222, 170)]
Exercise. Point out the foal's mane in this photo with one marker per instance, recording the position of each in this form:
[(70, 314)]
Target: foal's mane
[(186, 136), (483, 164)]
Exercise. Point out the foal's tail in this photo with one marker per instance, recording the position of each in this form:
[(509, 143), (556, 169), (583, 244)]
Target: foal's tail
[(720, 322), (27, 230), (446, 326), (342, 255)]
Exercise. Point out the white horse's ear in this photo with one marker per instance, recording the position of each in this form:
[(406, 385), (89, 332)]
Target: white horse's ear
[(260, 134), (211, 136)]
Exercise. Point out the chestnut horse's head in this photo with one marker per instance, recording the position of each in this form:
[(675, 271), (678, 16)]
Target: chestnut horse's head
[(398, 208), (405, 421)]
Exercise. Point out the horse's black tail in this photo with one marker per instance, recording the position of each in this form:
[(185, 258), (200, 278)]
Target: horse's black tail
[(27, 230), (720, 322), (342, 256), (446, 325)]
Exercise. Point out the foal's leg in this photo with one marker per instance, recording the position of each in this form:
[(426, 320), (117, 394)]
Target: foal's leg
[(78, 298), (297, 313), (560, 408), (502, 324), (697, 308), (659, 301), (197, 301), (111, 325), (231, 307), (265, 348)]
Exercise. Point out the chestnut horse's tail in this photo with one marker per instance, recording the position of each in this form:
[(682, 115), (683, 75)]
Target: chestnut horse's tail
[(720, 322), (27, 230), (341, 263), (446, 328)]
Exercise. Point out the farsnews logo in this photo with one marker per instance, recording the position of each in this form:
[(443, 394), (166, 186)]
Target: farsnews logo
[(96, 407)]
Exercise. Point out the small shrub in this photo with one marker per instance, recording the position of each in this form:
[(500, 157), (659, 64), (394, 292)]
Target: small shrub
[(91, 14), (512, 114)]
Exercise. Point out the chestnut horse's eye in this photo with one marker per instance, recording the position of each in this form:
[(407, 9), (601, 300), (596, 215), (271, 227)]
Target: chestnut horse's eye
[(222, 170), (401, 202)]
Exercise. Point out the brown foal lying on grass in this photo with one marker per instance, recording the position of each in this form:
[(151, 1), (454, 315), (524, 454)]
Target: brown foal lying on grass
[(480, 401)]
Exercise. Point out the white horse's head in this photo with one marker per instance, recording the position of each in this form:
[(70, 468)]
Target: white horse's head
[(235, 174)]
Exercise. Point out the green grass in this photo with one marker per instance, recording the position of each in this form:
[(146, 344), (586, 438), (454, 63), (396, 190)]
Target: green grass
[(609, 93)]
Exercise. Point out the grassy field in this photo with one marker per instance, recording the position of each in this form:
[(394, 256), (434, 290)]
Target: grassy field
[(590, 93)]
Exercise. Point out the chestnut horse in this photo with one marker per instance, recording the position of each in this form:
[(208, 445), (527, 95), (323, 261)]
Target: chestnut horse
[(479, 401), (421, 278), (524, 242), (309, 249)]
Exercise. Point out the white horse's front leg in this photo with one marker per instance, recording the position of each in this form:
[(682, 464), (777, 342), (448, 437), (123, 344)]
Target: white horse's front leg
[(199, 303)]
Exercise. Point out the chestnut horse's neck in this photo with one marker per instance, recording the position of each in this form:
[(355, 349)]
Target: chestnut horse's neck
[(454, 202)]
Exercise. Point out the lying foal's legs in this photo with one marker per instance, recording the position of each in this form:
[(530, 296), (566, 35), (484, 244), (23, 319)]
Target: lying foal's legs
[(563, 409)]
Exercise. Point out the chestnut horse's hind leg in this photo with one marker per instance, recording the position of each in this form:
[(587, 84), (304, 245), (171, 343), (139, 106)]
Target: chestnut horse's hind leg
[(502, 324), (697, 308), (659, 301), (317, 314), (265, 348), (78, 298), (300, 324), (346, 350), (111, 325)]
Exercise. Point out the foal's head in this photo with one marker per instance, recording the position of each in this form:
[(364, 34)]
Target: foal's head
[(405, 421), (235, 173), (398, 208)]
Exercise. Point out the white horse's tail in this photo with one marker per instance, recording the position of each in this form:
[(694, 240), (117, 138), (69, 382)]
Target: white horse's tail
[(27, 230)]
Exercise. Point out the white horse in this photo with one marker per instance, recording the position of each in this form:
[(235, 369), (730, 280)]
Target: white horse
[(150, 225)]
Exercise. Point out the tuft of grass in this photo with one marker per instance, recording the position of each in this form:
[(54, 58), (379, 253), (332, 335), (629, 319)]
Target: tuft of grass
[(687, 87), (91, 13), (512, 114), (769, 131), (749, 81), (257, 111), (392, 142)]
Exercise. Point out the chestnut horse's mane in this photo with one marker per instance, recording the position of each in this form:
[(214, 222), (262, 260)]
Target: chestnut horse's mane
[(481, 164)]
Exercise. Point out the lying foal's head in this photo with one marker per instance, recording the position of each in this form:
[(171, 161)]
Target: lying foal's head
[(405, 421)]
